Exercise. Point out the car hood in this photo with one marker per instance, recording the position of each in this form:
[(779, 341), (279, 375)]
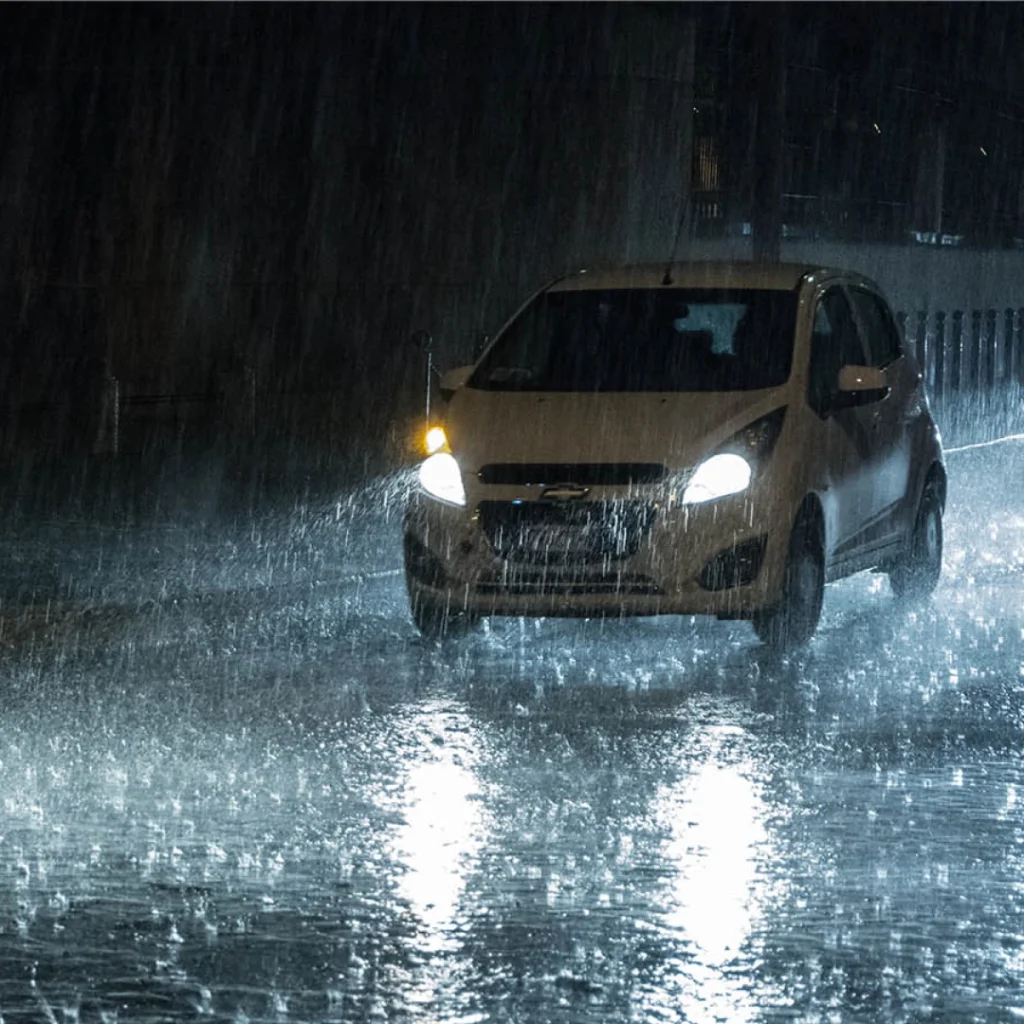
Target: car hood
[(673, 429)]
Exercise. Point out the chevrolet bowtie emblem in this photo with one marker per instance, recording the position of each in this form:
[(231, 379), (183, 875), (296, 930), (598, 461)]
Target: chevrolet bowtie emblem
[(564, 492)]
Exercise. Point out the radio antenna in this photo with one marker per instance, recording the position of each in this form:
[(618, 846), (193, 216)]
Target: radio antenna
[(423, 341), (683, 210)]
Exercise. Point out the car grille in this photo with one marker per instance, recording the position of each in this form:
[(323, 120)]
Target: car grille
[(580, 474), (565, 533)]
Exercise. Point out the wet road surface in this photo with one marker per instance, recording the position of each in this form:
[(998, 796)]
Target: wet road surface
[(236, 786)]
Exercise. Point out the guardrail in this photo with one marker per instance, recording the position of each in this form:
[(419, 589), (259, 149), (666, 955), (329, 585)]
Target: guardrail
[(101, 416), (116, 407)]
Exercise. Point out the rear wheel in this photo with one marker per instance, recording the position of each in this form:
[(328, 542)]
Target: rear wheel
[(791, 622), (916, 574)]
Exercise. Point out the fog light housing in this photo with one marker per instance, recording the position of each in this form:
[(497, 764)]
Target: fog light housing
[(422, 564), (737, 566)]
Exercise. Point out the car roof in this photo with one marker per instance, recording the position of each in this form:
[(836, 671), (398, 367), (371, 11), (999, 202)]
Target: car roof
[(701, 274)]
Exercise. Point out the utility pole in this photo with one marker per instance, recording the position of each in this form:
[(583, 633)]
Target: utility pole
[(931, 177), (770, 131)]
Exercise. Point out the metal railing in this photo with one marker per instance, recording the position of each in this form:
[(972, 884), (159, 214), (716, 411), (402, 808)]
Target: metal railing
[(721, 214), (963, 351)]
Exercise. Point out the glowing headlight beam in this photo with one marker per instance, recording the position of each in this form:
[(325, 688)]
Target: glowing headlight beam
[(717, 477), (441, 478)]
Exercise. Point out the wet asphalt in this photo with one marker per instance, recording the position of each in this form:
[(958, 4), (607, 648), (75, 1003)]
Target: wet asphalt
[(235, 785)]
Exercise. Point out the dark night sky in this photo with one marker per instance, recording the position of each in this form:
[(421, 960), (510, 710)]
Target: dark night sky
[(298, 186)]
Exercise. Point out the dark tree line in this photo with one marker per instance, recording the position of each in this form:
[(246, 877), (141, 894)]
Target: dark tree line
[(294, 188), (897, 118)]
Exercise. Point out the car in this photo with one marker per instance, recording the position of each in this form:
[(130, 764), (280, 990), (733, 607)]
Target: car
[(708, 439)]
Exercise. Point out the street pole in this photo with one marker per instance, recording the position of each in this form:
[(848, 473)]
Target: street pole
[(769, 133)]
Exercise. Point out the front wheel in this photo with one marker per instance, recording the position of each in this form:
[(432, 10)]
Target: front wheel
[(791, 622), (437, 620), (916, 574)]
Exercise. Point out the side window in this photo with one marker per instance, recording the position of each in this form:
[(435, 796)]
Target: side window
[(881, 338), (835, 343)]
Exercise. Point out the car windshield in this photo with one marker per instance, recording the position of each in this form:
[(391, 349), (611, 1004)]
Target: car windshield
[(645, 339)]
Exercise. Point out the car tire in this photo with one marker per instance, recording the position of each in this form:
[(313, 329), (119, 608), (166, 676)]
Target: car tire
[(791, 622), (916, 574), (439, 621)]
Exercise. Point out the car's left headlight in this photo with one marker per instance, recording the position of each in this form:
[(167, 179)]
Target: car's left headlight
[(717, 477), (441, 478), (732, 467)]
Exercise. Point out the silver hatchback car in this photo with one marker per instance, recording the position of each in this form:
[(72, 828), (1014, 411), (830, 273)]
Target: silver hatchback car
[(718, 438)]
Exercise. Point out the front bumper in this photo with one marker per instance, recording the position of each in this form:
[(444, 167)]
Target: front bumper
[(600, 556)]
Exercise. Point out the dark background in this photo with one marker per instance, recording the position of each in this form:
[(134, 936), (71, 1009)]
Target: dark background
[(241, 212)]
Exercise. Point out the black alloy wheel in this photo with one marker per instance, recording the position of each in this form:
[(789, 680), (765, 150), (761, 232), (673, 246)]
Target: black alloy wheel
[(790, 623)]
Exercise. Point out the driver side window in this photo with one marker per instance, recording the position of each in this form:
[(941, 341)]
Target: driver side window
[(835, 343), (881, 336)]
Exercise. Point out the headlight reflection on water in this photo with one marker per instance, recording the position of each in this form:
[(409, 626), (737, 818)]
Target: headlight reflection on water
[(439, 836), (437, 844), (716, 818)]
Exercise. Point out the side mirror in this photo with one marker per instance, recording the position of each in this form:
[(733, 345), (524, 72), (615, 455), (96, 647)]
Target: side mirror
[(453, 380), (860, 385)]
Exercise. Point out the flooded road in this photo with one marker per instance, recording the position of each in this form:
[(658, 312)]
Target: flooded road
[(237, 786)]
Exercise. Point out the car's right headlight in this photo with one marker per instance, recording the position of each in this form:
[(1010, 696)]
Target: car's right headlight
[(441, 478)]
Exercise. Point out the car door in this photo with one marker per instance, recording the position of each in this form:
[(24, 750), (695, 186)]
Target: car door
[(888, 418), (843, 448)]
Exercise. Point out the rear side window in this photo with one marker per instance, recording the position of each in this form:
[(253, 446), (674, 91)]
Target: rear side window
[(881, 338)]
